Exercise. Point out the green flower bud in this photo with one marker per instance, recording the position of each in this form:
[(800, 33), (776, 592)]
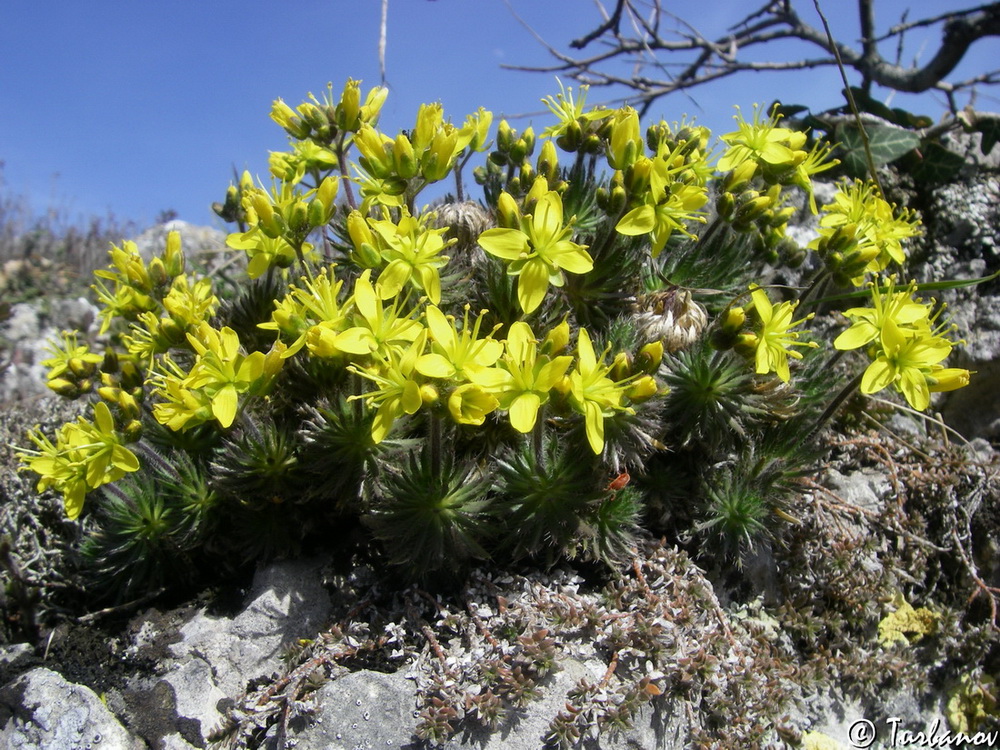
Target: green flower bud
[(80, 367), (317, 213), (298, 218), (65, 388), (529, 140), (548, 161), (132, 431), (403, 158), (173, 256), (602, 198), (110, 362), (348, 110), (571, 138), (505, 138), (619, 197), (158, 272), (508, 214), (746, 344), (725, 205)]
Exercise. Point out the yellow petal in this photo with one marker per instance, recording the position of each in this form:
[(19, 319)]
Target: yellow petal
[(523, 411)]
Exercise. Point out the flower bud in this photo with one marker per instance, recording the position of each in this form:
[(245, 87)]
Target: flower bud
[(403, 157), (132, 431), (642, 389), (649, 357), (619, 197), (317, 216), (505, 138), (348, 109), (750, 210), (638, 176), (548, 161), (158, 272), (746, 344), (508, 214), (298, 218), (625, 145), (571, 138), (529, 140), (173, 256), (621, 367), (110, 362), (725, 205), (947, 379), (65, 388), (733, 319), (738, 178), (527, 173), (557, 339)]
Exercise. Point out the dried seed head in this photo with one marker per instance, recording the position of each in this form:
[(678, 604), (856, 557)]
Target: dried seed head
[(671, 316), (465, 222)]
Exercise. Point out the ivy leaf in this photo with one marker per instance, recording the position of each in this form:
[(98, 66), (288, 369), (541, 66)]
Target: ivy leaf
[(887, 144), (895, 115), (935, 163), (990, 129)]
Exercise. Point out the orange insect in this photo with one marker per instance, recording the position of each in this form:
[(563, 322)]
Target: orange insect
[(618, 482)]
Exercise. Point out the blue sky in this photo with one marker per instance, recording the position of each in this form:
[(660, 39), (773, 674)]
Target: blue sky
[(131, 107)]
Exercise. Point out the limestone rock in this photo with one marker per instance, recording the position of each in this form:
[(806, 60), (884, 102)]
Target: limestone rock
[(40, 709)]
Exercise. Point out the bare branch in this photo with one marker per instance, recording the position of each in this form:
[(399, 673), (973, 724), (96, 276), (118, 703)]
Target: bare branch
[(611, 24), (700, 59)]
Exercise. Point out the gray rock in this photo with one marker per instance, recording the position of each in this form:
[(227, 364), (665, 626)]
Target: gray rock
[(205, 247), (213, 658), (866, 489), (40, 709), (359, 710)]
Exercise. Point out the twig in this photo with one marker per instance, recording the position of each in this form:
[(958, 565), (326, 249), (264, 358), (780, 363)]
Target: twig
[(119, 608)]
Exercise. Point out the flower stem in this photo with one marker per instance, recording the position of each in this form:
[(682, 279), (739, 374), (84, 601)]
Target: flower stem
[(434, 442), (538, 435), (837, 402)]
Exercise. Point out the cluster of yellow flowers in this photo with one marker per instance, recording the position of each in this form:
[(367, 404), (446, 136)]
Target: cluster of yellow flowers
[(417, 355), (390, 328)]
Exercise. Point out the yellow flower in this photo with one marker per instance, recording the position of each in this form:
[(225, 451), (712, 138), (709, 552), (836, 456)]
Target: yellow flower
[(539, 251), (592, 392), (413, 253), (377, 330), (471, 403), (906, 359), (316, 305), (221, 371), (761, 142), (874, 222), (776, 336), (85, 456), (887, 304), (569, 110), (532, 376), (457, 355), (399, 389)]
